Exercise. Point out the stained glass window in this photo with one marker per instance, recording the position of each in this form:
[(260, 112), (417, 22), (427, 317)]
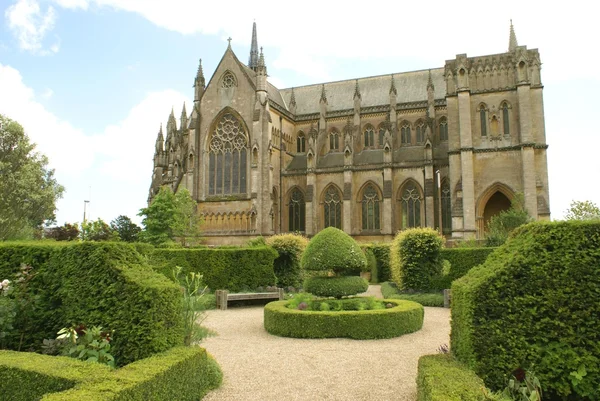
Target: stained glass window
[(300, 143), (297, 211), (334, 141), (446, 211), (369, 137), (411, 206), (370, 209), (443, 130), (332, 205), (505, 119), (420, 132), (483, 120), (405, 134)]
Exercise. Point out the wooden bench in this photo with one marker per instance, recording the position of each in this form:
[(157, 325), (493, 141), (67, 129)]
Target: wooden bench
[(223, 296)]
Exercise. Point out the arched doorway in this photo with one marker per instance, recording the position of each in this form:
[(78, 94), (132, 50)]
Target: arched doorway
[(497, 203)]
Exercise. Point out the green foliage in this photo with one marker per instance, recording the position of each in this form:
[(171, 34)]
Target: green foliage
[(180, 374), (287, 265), (336, 287), (192, 312), (390, 291), (333, 250), (97, 231), (415, 258), (404, 317), (533, 303), (523, 386), (257, 241), (461, 260), (382, 254), (66, 232), (128, 231), (235, 269), (28, 189), (87, 344), (371, 266), (583, 210), (8, 310), (501, 225), (443, 378), (346, 304)]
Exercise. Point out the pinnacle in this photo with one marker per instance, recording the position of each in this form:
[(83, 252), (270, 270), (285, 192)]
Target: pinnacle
[(184, 112), (512, 42), (200, 71), (393, 87), (323, 94), (293, 98), (357, 91), (430, 82), (253, 60)]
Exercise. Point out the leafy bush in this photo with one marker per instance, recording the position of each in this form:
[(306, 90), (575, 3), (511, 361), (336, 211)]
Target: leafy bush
[(404, 317), (335, 286), (371, 266), (382, 254), (390, 291), (415, 258), (534, 303), (501, 225), (333, 250), (461, 261), (287, 265), (87, 344)]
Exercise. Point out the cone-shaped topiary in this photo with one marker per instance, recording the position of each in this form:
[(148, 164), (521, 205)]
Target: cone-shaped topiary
[(333, 250)]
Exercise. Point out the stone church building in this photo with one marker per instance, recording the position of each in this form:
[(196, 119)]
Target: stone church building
[(446, 148)]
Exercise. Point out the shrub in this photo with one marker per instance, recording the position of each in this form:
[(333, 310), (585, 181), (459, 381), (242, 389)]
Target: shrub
[(371, 266), (390, 291), (404, 317), (287, 265), (382, 254), (335, 286), (534, 303), (504, 223), (461, 261), (333, 250), (415, 258)]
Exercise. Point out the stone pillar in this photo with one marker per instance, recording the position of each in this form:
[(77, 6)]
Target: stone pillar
[(527, 152), (347, 211), (311, 204), (466, 163), (388, 217)]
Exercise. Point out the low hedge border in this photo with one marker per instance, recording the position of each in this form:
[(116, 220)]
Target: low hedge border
[(434, 299), (403, 318), (182, 374), (442, 378)]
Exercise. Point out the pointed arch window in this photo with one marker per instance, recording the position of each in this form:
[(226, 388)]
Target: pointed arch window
[(420, 132), (446, 210), (296, 211), (443, 129), (334, 141), (381, 135), (229, 80), (410, 200), (405, 134), (371, 217), (483, 120), (505, 118), (227, 157), (369, 135), (332, 208), (300, 143)]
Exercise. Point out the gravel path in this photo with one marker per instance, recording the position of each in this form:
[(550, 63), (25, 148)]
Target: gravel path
[(259, 366)]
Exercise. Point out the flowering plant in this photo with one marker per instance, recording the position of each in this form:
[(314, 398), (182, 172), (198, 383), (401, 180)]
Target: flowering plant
[(91, 345)]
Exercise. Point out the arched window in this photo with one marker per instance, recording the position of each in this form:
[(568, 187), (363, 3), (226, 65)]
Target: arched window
[(300, 143), (381, 135), (369, 135), (505, 118), (227, 157), (334, 141), (410, 200), (405, 134), (371, 219), (297, 211), (332, 208), (446, 211), (420, 132), (229, 80), (443, 130), (483, 120)]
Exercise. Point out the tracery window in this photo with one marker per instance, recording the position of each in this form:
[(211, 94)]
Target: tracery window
[(505, 118), (443, 130), (334, 141), (405, 134), (301, 143), (227, 157), (483, 120), (381, 136), (420, 132), (296, 211), (371, 219), (446, 210), (369, 135), (228, 80), (332, 208), (411, 206)]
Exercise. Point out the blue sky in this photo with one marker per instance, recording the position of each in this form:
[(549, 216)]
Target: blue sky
[(92, 80)]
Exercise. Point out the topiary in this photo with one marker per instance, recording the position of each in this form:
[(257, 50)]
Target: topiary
[(415, 258), (287, 265), (333, 250), (336, 286)]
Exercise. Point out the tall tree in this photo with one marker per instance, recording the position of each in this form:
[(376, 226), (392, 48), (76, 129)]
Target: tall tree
[(67, 232), (583, 210), (128, 231), (28, 189), (98, 230)]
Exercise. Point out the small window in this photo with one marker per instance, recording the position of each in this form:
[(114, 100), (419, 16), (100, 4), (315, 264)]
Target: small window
[(300, 143), (334, 141), (381, 136), (405, 134), (369, 135), (505, 118), (370, 209), (420, 132), (443, 130), (228, 80), (483, 120)]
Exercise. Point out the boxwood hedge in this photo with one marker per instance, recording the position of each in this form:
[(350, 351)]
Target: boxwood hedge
[(534, 302), (335, 286), (404, 317)]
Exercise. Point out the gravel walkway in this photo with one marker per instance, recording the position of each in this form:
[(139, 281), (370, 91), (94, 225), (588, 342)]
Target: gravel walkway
[(259, 366)]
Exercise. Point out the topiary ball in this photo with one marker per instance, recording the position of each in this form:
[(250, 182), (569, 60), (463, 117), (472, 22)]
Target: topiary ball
[(333, 249), (335, 286)]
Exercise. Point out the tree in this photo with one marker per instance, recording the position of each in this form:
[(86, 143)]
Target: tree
[(67, 232), (502, 224), (97, 231), (170, 217), (128, 231), (583, 210), (28, 189)]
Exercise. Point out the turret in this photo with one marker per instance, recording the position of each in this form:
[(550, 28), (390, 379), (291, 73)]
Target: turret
[(512, 40), (184, 119), (199, 84)]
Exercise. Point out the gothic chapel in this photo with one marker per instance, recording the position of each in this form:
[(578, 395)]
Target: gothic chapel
[(446, 148)]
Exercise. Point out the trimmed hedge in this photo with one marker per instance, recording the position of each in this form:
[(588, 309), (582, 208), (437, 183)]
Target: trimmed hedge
[(96, 283), (182, 373), (435, 299), (287, 265), (405, 317), (461, 261), (382, 254), (534, 302), (234, 269), (335, 286), (442, 378), (333, 250)]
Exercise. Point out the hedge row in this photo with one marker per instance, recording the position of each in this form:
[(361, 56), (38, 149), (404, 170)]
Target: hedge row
[(442, 378), (336, 287), (405, 317), (390, 291), (182, 373), (534, 303), (102, 284), (234, 269)]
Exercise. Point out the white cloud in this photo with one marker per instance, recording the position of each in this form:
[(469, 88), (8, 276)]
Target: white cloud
[(47, 93), (30, 24)]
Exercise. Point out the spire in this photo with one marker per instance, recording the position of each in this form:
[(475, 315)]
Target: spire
[(512, 42), (253, 61), (357, 91), (393, 90), (171, 124), (200, 75), (430, 82), (183, 118), (183, 112), (160, 140), (323, 95)]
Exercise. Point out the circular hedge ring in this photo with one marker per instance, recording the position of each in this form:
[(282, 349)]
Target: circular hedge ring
[(402, 318)]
